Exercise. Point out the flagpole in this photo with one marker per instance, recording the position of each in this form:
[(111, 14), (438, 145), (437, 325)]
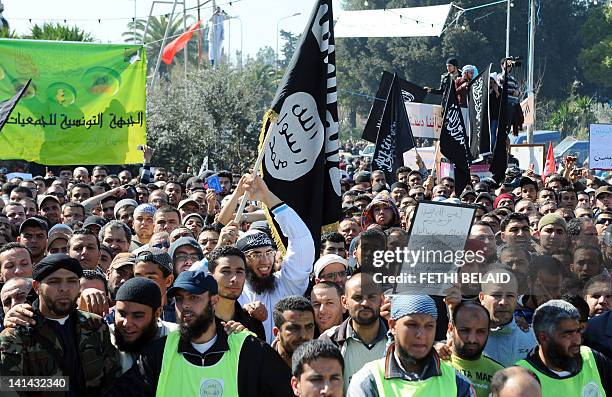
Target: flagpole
[(260, 157)]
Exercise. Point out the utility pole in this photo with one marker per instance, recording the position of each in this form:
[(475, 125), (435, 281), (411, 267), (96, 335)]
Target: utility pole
[(531, 63), (508, 28), (199, 38), (213, 33)]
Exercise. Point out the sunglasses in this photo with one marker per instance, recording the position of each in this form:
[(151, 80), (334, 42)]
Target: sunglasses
[(603, 221)]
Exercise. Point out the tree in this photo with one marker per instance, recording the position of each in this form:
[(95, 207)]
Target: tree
[(289, 45), (155, 36), (477, 38), (214, 112), (595, 59), (573, 117), (49, 31)]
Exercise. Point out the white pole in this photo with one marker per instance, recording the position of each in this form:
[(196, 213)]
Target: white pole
[(260, 157), (508, 29), (530, 77)]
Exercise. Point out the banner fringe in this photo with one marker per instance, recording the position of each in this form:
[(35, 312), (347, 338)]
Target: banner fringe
[(269, 117)]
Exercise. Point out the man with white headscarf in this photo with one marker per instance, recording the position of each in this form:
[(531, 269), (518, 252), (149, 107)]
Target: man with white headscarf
[(411, 366)]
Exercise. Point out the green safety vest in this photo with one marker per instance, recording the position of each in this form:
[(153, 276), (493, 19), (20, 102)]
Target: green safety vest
[(435, 386), (586, 383), (179, 377)]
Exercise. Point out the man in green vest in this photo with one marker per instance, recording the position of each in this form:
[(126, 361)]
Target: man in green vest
[(469, 329), (564, 367), (411, 367), (200, 359)]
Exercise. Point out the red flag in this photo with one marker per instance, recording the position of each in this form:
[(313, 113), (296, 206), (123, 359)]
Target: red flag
[(549, 167), (178, 44)]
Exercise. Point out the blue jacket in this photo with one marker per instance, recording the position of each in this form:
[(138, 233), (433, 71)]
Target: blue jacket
[(598, 335)]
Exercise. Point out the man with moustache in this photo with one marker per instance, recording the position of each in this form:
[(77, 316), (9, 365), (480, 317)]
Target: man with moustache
[(262, 283), (363, 335), (294, 324), (200, 356), (469, 329), (137, 322), (563, 366), (410, 366), (317, 368), (63, 341), (227, 265)]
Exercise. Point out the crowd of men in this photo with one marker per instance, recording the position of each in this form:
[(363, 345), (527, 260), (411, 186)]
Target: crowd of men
[(146, 285)]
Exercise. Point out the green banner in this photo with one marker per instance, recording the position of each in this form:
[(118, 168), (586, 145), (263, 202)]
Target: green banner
[(85, 105)]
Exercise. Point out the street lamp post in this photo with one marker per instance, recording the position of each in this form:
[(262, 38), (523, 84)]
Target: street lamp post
[(278, 34)]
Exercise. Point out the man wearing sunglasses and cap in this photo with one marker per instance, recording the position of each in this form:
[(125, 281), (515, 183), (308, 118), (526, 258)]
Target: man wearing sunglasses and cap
[(200, 358), (411, 366)]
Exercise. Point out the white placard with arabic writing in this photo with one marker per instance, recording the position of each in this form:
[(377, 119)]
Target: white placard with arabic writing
[(425, 119), (436, 227), (600, 147)]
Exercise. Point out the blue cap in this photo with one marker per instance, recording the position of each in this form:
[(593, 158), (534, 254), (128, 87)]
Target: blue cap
[(195, 283)]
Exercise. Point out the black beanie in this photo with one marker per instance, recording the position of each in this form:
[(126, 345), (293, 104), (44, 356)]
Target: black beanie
[(54, 262), (452, 61), (140, 290)]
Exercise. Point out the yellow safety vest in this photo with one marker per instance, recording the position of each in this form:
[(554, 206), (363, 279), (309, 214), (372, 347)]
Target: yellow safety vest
[(435, 386), (179, 377), (585, 383)]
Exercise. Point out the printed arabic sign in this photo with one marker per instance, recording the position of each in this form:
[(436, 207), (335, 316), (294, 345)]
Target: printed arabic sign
[(600, 154), (85, 104), (425, 119)]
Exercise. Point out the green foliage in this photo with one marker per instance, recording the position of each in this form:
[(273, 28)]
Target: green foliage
[(290, 43), (214, 112), (573, 117), (155, 35), (478, 38), (59, 32), (595, 59)]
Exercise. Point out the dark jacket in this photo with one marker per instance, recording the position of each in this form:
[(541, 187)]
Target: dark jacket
[(261, 372), (598, 335), (37, 351), (253, 325), (604, 366)]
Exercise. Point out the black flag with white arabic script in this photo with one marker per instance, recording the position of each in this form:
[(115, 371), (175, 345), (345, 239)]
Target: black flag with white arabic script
[(478, 104), (410, 92), (6, 107), (301, 160), (394, 136), (499, 162), (454, 141)]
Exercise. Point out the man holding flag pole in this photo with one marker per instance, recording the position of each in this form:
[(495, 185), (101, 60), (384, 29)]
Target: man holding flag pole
[(298, 163)]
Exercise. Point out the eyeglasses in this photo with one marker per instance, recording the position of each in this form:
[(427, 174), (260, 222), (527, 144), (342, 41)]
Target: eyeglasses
[(330, 276), (257, 256), (186, 257), (603, 221)]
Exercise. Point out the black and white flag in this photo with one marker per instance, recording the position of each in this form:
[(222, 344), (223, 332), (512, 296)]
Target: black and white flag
[(454, 141), (478, 104), (410, 93), (6, 107), (301, 161), (394, 135)]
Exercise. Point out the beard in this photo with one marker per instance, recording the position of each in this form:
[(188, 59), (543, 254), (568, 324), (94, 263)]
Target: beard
[(558, 358), (59, 309), (260, 284), (366, 321), (143, 340), (408, 361), (201, 323), (466, 354)]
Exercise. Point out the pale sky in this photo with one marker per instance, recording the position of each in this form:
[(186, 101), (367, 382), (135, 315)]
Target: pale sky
[(259, 17)]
